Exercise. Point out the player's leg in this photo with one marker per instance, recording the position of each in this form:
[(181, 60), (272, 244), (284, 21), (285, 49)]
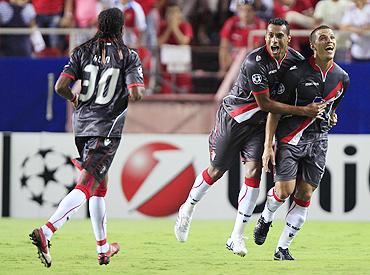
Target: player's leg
[(248, 195), (67, 207), (294, 219), (287, 157), (223, 149), (312, 170), (98, 219)]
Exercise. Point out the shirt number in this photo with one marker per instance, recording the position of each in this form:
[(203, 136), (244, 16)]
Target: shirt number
[(109, 76)]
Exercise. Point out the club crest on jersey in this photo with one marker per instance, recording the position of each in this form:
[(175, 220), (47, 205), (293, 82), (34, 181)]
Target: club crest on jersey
[(256, 79), (258, 58), (281, 89)]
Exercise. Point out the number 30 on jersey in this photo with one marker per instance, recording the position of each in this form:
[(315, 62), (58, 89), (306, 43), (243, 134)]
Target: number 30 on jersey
[(109, 76)]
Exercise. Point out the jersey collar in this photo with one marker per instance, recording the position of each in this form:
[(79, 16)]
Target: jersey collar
[(318, 69), (278, 63)]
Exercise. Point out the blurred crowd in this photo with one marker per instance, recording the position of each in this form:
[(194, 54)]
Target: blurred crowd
[(152, 25)]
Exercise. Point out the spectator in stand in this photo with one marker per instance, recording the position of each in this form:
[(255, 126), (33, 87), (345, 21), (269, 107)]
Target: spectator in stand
[(330, 13), (263, 8), (135, 23), (299, 14), (234, 34), (85, 15), (53, 14), (16, 14), (357, 20), (176, 31), (152, 23)]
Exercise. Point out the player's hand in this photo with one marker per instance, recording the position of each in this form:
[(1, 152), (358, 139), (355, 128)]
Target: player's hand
[(135, 95), (268, 156), (75, 100), (333, 119), (315, 110)]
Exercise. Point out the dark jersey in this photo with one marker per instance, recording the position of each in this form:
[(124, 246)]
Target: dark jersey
[(306, 83), (259, 73), (103, 100)]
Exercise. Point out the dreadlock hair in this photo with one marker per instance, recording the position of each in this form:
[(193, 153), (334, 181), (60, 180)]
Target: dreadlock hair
[(110, 24), (280, 22)]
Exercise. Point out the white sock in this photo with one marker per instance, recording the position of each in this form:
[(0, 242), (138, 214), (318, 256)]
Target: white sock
[(66, 208), (247, 199), (200, 187), (272, 204), (99, 222), (294, 221)]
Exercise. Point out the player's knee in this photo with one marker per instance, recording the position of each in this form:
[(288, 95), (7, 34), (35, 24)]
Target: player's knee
[(215, 173), (101, 191), (86, 183), (284, 189), (253, 170)]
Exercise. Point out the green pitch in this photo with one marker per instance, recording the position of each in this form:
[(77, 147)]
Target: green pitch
[(149, 247)]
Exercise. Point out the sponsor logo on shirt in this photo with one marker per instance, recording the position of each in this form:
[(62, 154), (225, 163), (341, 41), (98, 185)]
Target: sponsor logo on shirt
[(311, 84), (273, 71)]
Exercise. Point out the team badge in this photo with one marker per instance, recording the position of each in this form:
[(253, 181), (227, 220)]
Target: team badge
[(281, 89), (258, 58), (256, 79)]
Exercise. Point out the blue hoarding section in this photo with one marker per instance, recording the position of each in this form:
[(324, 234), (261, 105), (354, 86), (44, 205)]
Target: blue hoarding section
[(354, 110), (24, 92)]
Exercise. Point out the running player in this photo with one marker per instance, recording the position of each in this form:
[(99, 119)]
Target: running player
[(301, 141), (240, 126), (110, 74)]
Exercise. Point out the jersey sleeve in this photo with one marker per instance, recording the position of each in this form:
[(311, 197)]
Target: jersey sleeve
[(73, 68), (345, 87), (134, 71), (256, 76)]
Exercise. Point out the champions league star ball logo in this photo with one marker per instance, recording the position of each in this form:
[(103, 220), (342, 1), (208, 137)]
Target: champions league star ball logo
[(47, 177), (156, 179)]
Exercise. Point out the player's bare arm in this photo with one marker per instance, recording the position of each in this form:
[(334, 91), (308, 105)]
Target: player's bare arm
[(62, 87), (136, 93), (268, 153), (269, 105)]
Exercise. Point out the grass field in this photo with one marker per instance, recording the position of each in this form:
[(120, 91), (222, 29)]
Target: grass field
[(149, 247)]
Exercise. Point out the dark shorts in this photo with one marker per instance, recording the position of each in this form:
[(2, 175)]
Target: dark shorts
[(307, 160), (230, 138), (96, 155)]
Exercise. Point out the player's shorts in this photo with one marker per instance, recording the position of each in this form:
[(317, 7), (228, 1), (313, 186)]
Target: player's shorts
[(96, 155), (230, 138), (308, 160)]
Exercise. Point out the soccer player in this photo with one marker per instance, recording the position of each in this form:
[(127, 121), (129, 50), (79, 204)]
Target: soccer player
[(240, 126), (301, 141), (110, 74)]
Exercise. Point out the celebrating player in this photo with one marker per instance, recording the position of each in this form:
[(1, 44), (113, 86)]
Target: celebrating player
[(240, 126), (301, 141), (110, 74)]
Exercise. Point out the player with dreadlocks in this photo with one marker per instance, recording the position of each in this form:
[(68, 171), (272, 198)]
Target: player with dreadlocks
[(110, 74)]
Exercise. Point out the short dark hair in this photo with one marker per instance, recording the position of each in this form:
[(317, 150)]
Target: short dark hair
[(321, 27), (110, 24), (280, 22)]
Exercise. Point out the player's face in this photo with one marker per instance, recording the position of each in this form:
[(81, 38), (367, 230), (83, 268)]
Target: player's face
[(277, 40), (324, 45)]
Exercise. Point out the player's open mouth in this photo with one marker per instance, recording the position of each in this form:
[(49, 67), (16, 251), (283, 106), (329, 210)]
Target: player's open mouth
[(275, 49), (329, 49)]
